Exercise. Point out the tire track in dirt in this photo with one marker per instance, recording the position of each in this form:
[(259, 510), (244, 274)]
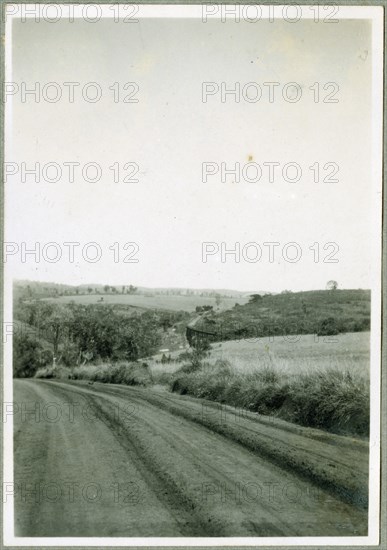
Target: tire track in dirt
[(199, 482), (311, 458), (78, 455)]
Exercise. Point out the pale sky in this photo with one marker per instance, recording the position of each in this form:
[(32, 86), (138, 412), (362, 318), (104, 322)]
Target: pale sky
[(170, 132)]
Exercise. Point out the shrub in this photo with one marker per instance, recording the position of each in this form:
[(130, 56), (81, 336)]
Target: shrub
[(46, 372), (328, 327), (265, 398), (130, 374), (199, 351), (50, 372)]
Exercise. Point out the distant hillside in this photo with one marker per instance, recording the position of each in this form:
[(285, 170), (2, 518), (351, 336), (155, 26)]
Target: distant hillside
[(324, 311), (206, 292), (164, 302), (35, 289)]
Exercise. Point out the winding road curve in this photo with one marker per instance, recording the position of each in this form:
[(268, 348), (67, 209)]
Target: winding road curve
[(108, 460)]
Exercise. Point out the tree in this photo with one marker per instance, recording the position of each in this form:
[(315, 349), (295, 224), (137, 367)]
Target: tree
[(166, 322), (106, 288), (27, 355), (200, 349), (332, 285), (218, 300), (328, 327), (123, 289), (56, 325), (255, 298), (89, 290), (76, 331)]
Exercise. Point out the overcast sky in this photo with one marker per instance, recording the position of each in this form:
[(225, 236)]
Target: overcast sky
[(170, 132)]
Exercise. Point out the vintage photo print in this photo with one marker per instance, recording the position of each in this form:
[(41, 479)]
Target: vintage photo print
[(192, 248)]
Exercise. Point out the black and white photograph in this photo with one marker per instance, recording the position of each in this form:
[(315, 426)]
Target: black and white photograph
[(192, 259)]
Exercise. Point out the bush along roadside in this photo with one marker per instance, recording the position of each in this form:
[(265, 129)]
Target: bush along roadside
[(130, 374)]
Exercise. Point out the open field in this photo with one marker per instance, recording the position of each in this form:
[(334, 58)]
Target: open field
[(293, 355), (164, 302), (139, 462)]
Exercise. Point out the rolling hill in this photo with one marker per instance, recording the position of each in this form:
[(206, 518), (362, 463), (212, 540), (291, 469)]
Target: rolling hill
[(291, 313)]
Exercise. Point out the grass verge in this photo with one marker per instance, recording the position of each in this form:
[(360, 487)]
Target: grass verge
[(330, 399)]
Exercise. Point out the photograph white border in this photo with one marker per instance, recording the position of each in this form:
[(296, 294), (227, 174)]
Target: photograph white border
[(376, 15)]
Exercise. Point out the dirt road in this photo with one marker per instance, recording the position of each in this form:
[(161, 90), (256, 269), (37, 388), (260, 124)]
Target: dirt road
[(106, 460)]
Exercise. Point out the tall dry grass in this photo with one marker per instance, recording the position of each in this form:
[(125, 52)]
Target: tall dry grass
[(333, 399)]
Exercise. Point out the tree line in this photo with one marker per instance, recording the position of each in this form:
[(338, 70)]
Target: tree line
[(74, 334)]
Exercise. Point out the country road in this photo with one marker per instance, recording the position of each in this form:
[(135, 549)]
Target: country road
[(108, 460)]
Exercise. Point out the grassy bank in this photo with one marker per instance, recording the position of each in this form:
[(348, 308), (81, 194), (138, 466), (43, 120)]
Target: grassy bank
[(329, 399)]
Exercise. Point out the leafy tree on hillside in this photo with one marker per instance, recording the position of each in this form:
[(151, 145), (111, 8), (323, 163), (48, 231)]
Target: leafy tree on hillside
[(332, 285), (28, 355), (55, 325), (255, 298), (137, 336), (107, 334), (166, 322), (328, 327)]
